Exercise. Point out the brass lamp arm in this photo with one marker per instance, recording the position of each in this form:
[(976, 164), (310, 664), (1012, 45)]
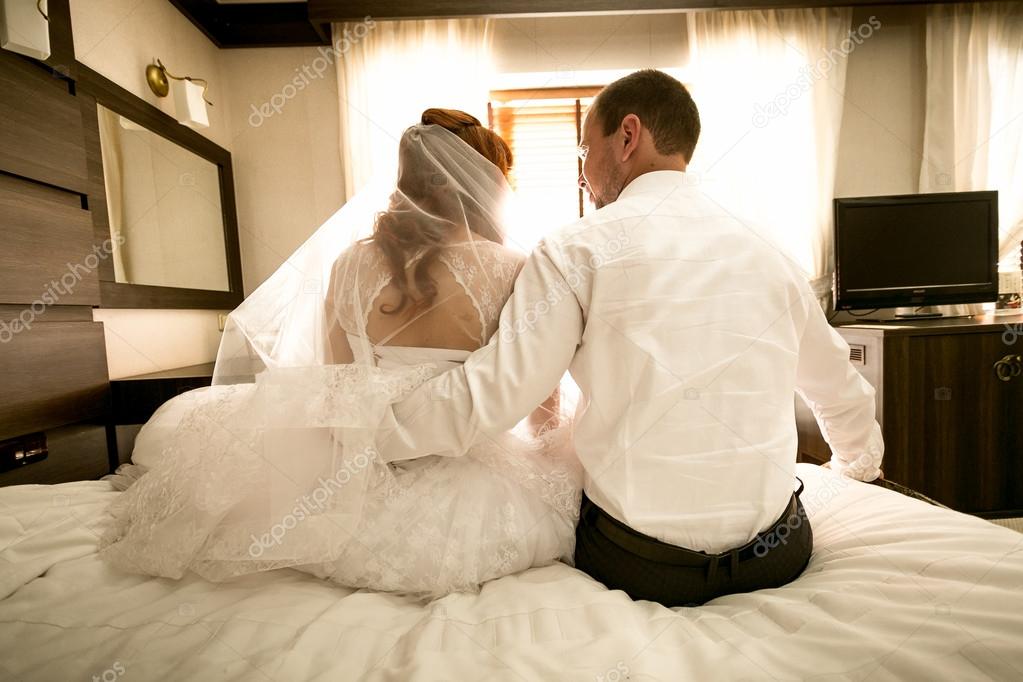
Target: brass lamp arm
[(157, 75)]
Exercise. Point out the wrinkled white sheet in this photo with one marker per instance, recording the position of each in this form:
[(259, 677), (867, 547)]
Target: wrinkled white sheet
[(896, 590)]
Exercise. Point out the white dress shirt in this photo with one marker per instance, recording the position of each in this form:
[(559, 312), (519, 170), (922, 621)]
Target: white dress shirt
[(687, 334)]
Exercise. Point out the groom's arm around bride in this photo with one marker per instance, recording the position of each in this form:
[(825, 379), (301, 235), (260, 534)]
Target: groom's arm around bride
[(687, 335)]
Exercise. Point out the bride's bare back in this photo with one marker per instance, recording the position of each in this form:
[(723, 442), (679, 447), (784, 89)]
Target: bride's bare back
[(473, 281)]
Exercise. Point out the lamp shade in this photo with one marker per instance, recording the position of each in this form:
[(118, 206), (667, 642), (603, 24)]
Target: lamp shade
[(189, 105), (24, 29)]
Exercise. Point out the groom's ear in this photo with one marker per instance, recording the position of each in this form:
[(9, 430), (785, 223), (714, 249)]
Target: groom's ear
[(630, 129)]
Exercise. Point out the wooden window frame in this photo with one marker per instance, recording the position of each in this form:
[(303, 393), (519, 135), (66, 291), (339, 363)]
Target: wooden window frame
[(539, 94)]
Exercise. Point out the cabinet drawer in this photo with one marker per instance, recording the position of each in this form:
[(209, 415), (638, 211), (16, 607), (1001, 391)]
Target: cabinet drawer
[(41, 136), (54, 373), (963, 435), (47, 243)]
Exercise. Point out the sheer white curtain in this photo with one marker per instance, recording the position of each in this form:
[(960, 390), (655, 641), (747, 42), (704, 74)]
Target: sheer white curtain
[(769, 85), (387, 77), (973, 130)]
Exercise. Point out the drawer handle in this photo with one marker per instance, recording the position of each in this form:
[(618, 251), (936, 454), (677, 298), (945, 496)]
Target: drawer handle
[(1008, 367)]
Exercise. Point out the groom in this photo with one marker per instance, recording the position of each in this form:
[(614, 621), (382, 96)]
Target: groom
[(687, 334)]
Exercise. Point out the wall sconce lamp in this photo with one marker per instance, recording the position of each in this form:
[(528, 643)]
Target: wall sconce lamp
[(189, 94), (25, 28)]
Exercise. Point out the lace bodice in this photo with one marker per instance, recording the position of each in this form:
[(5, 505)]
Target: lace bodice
[(474, 280)]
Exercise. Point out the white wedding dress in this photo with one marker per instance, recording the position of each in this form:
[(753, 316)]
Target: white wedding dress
[(291, 470)]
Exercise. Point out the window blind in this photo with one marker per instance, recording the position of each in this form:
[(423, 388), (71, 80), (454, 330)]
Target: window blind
[(543, 129)]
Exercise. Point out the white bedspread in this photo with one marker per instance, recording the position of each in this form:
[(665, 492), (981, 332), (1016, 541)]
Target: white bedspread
[(896, 590)]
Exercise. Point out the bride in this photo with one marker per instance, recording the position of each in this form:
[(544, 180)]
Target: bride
[(283, 462)]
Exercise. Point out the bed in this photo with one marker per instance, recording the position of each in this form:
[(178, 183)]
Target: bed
[(897, 589)]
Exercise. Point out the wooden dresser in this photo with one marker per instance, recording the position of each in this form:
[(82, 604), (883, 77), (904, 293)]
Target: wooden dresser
[(950, 404)]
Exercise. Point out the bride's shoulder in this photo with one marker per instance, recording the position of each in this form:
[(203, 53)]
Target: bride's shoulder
[(512, 260), (496, 250), (498, 258), (362, 251), (355, 264), (361, 248), (507, 264)]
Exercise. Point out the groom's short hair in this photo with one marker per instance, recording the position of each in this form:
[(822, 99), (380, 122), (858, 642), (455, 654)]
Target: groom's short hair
[(663, 105)]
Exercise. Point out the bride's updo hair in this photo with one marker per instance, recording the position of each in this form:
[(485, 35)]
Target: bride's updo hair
[(401, 233), (488, 143)]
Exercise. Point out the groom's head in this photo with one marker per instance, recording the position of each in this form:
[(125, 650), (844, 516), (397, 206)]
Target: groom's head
[(643, 122)]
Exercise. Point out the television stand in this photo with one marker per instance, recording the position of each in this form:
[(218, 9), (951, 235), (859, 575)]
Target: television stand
[(929, 313), (935, 319), (918, 316)]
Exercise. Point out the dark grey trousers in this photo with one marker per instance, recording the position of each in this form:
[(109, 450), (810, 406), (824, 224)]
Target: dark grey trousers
[(646, 568)]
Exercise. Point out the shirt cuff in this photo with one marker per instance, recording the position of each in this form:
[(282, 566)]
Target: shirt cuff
[(865, 466)]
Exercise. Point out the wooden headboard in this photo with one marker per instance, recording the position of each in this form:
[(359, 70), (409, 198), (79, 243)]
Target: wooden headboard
[(53, 369)]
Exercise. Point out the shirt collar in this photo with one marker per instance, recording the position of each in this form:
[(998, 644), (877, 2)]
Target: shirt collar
[(657, 182)]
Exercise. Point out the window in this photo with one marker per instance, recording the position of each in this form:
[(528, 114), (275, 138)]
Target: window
[(543, 128)]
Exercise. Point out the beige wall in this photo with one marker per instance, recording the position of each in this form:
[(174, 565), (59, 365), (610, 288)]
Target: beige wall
[(880, 147), (287, 165), (563, 45), (143, 341)]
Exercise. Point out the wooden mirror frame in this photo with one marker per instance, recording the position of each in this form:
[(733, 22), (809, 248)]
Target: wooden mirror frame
[(93, 89)]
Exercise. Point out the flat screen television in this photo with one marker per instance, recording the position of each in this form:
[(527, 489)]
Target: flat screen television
[(916, 250)]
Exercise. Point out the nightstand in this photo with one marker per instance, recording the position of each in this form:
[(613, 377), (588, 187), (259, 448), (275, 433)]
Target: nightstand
[(136, 398)]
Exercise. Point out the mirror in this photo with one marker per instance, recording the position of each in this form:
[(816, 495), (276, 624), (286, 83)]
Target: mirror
[(164, 207)]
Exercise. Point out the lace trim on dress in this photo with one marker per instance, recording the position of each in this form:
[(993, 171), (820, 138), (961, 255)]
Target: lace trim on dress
[(452, 262), (487, 280)]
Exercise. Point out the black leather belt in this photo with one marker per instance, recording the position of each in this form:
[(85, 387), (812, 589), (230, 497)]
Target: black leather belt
[(652, 549)]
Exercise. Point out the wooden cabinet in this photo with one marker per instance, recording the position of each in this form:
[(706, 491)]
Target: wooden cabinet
[(952, 420)]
